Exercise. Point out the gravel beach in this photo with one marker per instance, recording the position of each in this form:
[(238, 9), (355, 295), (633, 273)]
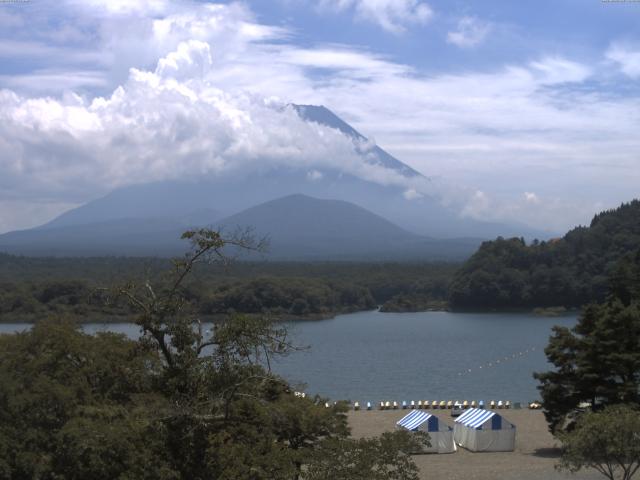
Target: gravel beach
[(534, 458)]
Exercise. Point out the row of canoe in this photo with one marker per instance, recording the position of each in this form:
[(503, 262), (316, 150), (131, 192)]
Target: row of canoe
[(442, 404)]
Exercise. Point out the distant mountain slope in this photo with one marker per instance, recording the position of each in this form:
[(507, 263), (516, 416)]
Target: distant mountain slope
[(302, 227), (324, 116), (123, 237), (210, 198), (570, 271), (299, 228)]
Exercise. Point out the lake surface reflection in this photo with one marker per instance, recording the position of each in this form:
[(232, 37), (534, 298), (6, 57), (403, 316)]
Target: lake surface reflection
[(429, 355), (371, 356)]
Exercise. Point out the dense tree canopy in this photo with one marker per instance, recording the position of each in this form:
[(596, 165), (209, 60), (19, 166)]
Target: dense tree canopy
[(598, 360), (607, 441), (570, 272), (33, 288), (181, 403)]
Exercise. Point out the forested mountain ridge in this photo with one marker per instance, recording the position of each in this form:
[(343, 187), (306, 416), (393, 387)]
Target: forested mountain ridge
[(31, 289), (570, 271)]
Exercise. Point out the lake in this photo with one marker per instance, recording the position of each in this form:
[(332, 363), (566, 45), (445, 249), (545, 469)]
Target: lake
[(373, 356)]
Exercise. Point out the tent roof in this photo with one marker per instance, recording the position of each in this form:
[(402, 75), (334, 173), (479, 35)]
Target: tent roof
[(475, 417), (413, 420)]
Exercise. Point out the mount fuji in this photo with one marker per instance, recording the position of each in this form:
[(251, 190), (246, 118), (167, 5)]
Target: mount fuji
[(146, 219)]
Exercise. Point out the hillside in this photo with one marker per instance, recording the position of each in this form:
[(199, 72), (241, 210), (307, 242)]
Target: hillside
[(299, 227), (209, 198), (571, 271)]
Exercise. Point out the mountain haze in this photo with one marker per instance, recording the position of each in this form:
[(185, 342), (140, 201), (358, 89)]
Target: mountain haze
[(302, 227), (139, 219), (298, 227)]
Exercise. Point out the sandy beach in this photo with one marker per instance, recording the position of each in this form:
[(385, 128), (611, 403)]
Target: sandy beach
[(534, 458)]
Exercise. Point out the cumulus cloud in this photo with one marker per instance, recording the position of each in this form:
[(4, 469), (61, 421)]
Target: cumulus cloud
[(470, 32), (627, 59), (412, 194), (163, 90), (167, 123), (532, 198), (392, 15)]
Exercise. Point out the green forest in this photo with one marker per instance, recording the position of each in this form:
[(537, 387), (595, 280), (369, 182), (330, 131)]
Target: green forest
[(32, 288), (503, 274), (569, 271), (178, 403)]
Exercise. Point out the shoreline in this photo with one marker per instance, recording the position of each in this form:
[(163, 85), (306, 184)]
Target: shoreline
[(283, 318)]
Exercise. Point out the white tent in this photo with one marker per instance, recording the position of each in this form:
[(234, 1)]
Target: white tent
[(481, 430), (440, 435)]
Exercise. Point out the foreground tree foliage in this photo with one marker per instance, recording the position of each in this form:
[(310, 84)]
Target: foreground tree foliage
[(607, 441), (598, 360), (383, 458), (180, 403)]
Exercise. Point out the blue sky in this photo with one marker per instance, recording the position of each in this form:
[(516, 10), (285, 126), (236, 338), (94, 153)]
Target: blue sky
[(522, 111)]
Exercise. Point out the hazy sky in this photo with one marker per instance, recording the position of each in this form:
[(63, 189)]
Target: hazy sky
[(527, 111)]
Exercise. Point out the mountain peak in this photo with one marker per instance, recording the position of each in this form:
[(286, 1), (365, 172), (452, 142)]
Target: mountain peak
[(323, 116)]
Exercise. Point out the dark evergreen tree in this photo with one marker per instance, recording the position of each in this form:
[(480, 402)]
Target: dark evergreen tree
[(598, 360)]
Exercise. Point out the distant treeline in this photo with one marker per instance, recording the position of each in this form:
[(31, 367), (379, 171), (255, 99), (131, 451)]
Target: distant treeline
[(570, 272), (503, 274), (33, 288)]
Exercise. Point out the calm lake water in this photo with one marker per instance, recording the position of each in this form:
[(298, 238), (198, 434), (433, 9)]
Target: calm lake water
[(373, 356)]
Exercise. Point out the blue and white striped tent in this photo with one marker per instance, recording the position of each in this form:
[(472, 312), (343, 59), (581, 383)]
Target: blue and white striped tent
[(482, 430), (440, 435)]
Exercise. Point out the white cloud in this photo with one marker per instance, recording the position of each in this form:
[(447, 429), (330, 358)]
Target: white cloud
[(470, 32), (477, 205), (627, 58), (392, 15), (556, 70), (162, 124), (209, 106), (531, 197), (412, 194), (314, 175)]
